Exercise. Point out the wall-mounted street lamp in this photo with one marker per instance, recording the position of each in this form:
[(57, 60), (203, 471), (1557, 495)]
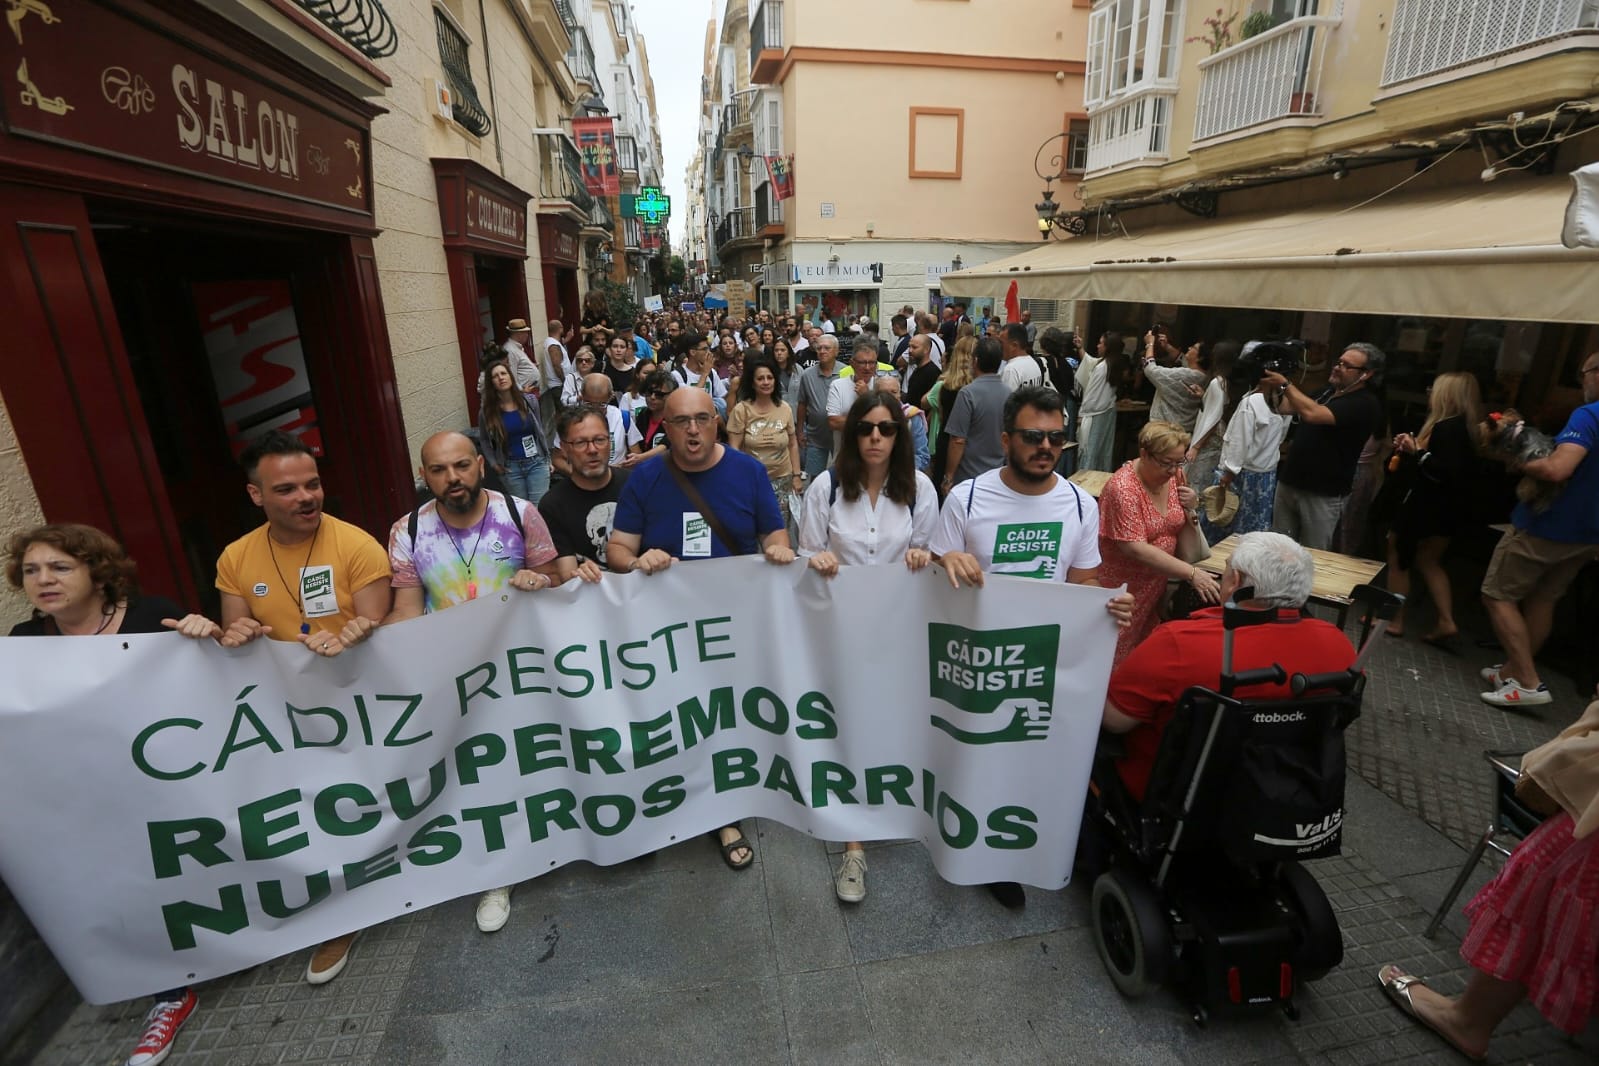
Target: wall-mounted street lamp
[(1050, 216)]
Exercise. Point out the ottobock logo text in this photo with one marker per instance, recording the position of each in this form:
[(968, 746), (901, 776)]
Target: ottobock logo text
[(1278, 718), (1001, 680)]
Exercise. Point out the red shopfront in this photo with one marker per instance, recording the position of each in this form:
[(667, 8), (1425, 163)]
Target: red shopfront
[(560, 241), (186, 237), (484, 219)]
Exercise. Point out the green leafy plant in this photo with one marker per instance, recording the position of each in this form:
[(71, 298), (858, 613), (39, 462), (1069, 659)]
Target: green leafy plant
[(1256, 24), (619, 301), (1218, 32)]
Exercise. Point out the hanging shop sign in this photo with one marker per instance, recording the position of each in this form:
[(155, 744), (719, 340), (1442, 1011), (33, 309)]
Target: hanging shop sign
[(91, 78), (596, 146), (559, 241)]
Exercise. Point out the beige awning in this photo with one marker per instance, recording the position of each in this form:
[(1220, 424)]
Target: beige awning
[(1483, 251)]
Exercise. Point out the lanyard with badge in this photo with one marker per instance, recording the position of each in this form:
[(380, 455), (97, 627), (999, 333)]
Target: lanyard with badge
[(315, 595)]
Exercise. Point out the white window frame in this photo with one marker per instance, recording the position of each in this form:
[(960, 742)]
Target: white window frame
[(1116, 68)]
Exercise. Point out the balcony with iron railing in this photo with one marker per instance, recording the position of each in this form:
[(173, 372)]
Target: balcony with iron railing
[(469, 112), (766, 41), (561, 172), (563, 8), (580, 60), (362, 23), (1136, 128), (1432, 36), (1274, 75), (768, 212), (630, 234), (739, 224), (627, 153), (735, 118)]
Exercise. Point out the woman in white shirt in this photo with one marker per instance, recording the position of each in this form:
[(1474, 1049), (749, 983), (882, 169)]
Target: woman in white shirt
[(872, 508), (1098, 380), (1204, 449), (1249, 455)]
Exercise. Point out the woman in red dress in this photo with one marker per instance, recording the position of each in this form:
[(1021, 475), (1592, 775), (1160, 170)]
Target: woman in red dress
[(1142, 510), (1534, 931)]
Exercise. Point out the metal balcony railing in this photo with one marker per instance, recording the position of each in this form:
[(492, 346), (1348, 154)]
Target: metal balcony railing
[(561, 171), (580, 60), (563, 8), (630, 234), (766, 31), (626, 152), (470, 114), (363, 23), (1137, 127), (1271, 76), (1428, 36), (735, 114), (740, 222), (768, 210)]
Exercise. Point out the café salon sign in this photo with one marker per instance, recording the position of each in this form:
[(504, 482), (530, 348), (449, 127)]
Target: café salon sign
[(92, 78)]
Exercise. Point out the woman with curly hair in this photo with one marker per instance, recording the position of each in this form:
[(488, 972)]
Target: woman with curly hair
[(81, 583)]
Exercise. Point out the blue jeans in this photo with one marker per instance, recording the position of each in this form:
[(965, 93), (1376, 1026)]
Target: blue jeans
[(527, 479), (813, 460)]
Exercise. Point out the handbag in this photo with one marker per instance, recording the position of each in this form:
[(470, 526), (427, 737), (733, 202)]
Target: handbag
[(1191, 544), (699, 503)]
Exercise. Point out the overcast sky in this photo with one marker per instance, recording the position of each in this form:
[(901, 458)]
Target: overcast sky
[(674, 34)]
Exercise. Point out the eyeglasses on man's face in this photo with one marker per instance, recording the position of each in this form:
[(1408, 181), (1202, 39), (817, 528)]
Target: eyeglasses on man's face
[(682, 421), (1344, 364)]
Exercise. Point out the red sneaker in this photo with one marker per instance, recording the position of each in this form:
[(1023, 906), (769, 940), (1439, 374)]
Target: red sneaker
[(161, 1027)]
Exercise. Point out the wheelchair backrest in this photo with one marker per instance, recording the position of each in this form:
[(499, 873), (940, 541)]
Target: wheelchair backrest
[(1270, 784)]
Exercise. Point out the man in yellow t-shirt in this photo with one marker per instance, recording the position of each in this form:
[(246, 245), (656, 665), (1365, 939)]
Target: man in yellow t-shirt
[(304, 576)]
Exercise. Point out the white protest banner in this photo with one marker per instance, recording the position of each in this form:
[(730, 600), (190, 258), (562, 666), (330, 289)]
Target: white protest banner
[(653, 302), (173, 811)]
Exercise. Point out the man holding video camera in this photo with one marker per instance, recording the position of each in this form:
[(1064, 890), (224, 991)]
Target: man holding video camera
[(1315, 477)]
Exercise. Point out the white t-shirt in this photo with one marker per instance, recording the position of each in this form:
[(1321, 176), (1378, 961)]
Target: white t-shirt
[(860, 534), (799, 344), (840, 398), (1025, 536), (1020, 371), (712, 383), (827, 326), (554, 375), (523, 372)]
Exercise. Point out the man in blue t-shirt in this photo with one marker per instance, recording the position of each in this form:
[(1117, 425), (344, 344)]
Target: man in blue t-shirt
[(1538, 560), (657, 523)]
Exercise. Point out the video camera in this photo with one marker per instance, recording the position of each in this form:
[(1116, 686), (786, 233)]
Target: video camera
[(1282, 357)]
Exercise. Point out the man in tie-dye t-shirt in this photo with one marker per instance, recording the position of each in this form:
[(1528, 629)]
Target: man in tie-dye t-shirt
[(468, 542)]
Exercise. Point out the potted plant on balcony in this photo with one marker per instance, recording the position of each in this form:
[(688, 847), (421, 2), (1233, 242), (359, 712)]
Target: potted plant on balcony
[(1255, 25), (1218, 32)]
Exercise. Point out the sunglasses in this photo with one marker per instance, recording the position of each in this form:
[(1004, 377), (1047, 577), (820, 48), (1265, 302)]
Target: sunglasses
[(889, 430), (1035, 437)]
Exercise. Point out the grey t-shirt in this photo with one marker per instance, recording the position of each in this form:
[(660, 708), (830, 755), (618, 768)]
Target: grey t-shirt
[(978, 417), (813, 386)]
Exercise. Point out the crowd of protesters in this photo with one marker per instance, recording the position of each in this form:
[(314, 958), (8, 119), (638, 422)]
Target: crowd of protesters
[(621, 446)]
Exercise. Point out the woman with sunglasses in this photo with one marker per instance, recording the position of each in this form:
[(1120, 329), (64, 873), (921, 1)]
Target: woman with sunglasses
[(1142, 510), (873, 508)]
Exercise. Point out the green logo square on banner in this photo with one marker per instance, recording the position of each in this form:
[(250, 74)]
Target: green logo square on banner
[(1028, 549), (1004, 677)]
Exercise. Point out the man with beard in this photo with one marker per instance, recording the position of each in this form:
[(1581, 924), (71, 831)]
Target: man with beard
[(1025, 520), (700, 500), (304, 576), (466, 542), (581, 509)]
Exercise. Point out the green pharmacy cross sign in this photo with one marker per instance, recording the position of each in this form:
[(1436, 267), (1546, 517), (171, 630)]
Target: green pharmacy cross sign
[(651, 206)]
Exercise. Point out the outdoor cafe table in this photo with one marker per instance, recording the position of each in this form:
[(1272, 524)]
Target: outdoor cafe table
[(1337, 576)]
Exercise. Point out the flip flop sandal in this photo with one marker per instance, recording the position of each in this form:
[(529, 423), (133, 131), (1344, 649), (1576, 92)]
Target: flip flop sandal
[(732, 846), (1396, 986), (1447, 645)]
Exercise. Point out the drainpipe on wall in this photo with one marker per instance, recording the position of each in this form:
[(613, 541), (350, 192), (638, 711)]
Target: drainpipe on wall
[(488, 67)]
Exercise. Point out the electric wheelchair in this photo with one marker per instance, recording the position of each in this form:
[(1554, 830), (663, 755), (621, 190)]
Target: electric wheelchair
[(1202, 888)]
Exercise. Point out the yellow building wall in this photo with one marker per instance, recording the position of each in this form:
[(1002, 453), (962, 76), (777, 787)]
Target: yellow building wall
[(858, 158), (1006, 28)]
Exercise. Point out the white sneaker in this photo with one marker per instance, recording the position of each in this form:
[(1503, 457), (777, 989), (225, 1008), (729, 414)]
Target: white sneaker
[(493, 910), (1510, 694), (1490, 674), (850, 884)]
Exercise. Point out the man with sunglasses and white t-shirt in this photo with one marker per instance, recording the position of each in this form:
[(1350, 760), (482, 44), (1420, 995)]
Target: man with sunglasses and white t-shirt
[(1024, 520)]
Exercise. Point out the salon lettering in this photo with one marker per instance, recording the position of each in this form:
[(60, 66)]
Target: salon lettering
[(226, 124)]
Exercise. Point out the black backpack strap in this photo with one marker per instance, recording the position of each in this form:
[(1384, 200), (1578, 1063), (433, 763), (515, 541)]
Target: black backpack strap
[(832, 486)]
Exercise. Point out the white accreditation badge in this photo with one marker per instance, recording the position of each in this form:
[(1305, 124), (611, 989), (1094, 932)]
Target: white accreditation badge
[(696, 536), (317, 597), (530, 445)]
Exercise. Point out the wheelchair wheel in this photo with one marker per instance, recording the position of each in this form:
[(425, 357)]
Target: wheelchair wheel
[(1130, 932), (1321, 942)]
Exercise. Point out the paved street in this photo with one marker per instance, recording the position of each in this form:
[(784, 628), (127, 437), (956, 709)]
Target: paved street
[(675, 959)]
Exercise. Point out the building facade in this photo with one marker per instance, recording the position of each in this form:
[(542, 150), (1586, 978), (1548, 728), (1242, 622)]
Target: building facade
[(1338, 170), (927, 169), (227, 216)]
